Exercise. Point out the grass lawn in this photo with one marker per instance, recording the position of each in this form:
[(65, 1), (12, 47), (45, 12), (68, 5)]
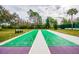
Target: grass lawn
[(6, 34), (70, 32)]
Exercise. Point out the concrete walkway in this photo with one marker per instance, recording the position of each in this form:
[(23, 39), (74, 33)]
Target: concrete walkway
[(39, 46), (67, 37)]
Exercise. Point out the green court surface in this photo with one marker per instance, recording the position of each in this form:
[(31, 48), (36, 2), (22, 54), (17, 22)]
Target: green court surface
[(54, 40), (24, 40)]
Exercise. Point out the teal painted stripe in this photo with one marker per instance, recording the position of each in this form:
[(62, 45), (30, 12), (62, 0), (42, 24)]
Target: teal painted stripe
[(25, 40), (54, 40)]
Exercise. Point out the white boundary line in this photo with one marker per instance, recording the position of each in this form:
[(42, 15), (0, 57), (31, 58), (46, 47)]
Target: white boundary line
[(39, 46), (71, 38), (14, 38)]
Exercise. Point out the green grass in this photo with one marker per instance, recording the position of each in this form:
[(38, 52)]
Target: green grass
[(70, 32), (6, 34)]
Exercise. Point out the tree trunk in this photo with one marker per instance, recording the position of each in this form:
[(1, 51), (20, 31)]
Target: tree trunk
[(72, 22)]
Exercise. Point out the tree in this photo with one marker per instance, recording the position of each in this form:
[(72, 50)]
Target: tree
[(64, 21), (76, 22), (5, 15), (71, 12), (15, 19), (1, 13), (55, 25), (47, 23), (35, 18), (51, 21), (40, 20), (7, 18)]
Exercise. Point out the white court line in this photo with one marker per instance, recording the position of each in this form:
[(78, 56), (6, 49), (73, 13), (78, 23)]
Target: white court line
[(14, 38), (39, 46), (71, 38)]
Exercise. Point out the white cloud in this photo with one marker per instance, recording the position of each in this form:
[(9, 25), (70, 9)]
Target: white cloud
[(43, 10)]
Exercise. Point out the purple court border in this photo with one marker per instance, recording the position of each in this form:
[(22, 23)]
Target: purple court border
[(14, 50), (64, 50)]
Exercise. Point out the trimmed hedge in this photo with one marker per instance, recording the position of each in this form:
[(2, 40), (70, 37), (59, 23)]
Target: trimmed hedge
[(63, 26)]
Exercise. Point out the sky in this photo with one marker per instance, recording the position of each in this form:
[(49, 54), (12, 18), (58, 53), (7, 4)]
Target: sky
[(55, 11)]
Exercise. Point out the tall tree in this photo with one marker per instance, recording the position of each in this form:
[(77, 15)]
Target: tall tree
[(64, 21), (51, 21), (47, 23), (55, 25), (4, 15), (71, 12), (35, 17), (15, 19)]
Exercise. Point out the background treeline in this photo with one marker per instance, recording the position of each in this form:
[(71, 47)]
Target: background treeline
[(67, 23), (35, 21)]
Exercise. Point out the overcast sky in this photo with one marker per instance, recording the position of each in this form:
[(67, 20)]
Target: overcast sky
[(44, 10)]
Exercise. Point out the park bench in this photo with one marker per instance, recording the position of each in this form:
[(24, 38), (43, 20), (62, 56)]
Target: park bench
[(18, 30)]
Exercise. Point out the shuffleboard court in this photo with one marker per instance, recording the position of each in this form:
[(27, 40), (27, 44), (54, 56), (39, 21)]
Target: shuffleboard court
[(58, 44), (25, 40), (54, 40), (19, 45)]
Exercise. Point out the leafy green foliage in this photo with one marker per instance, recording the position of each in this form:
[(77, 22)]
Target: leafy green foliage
[(47, 23), (71, 12), (55, 25)]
